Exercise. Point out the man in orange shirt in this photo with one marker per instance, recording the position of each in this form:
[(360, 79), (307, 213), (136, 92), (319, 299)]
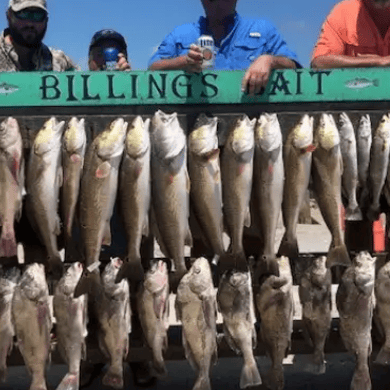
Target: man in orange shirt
[(355, 34)]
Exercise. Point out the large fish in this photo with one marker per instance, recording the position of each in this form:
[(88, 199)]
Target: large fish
[(268, 184), (205, 175), (71, 325), (170, 189), (297, 163), (350, 168), (355, 301), (382, 312), (73, 151), (326, 173), (378, 166), (153, 311), (97, 197), (235, 301), (31, 318), (114, 314), (315, 293), (44, 179), (274, 300), (196, 309), (237, 175), (135, 183), (12, 184), (8, 282), (363, 140)]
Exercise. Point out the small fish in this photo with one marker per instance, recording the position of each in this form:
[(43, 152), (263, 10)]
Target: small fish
[(114, 314), (235, 300), (71, 325), (6, 89), (153, 310), (359, 83), (196, 308), (315, 293), (355, 301), (8, 282), (32, 322), (275, 304)]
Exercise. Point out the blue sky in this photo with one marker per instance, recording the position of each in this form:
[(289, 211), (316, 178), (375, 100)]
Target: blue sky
[(144, 23)]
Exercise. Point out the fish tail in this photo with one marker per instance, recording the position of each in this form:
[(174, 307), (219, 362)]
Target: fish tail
[(275, 378), (316, 366), (3, 374), (8, 246), (159, 368), (353, 214), (289, 247), (113, 378), (338, 255), (361, 379), (383, 356), (250, 376), (131, 270), (229, 261), (38, 383), (69, 382), (373, 213), (55, 267), (202, 383)]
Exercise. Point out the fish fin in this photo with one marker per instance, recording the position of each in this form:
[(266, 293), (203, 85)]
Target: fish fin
[(8, 245), (69, 382), (202, 383), (103, 170), (3, 374), (60, 177), (250, 376), (188, 353), (373, 213), (254, 338), (132, 270), (57, 228), (338, 256), (107, 234), (158, 305), (230, 340), (188, 238), (361, 379), (84, 350), (145, 227), (188, 182), (247, 220), (113, 378), (288, 247), (383, 356), (353, 214), (208, 305)]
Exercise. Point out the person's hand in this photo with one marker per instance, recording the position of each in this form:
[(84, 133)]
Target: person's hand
[(193, 60), (257, 75), (122, 63)]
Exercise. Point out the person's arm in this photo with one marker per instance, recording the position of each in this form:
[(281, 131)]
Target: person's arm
[(190, 62), (342, 61), (278, 56)]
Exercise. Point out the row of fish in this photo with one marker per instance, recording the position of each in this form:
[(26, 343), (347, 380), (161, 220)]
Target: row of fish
[(26, 313)]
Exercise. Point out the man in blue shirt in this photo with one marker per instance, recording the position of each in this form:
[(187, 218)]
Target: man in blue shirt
[(249, 44)]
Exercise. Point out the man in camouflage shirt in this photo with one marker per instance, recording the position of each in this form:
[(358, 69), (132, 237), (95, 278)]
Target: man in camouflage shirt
[(21, 47)]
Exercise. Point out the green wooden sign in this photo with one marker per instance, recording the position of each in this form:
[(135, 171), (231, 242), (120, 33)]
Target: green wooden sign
[(31, 89)]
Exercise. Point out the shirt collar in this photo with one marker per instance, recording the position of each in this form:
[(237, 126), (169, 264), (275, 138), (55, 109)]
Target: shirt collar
[(231, 25)]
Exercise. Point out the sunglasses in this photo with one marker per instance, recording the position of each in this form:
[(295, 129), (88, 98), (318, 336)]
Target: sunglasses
[(32, 16)]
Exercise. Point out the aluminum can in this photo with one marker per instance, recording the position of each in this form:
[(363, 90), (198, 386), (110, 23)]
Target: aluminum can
[(206, 44)]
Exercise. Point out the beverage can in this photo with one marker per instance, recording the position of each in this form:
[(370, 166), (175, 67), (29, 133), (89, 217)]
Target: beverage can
[(206, 44), (110, 57)]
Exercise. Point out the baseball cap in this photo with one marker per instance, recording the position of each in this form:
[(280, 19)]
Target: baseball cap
[(18, 5), (106, 34)]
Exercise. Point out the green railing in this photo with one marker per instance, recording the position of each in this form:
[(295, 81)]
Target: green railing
[(72, 89)]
